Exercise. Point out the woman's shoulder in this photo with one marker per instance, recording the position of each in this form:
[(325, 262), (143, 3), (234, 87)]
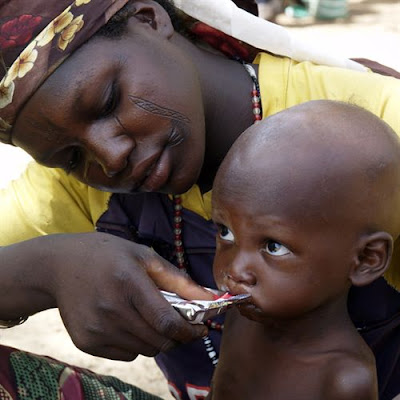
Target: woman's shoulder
[(285, 83), (57, 198)]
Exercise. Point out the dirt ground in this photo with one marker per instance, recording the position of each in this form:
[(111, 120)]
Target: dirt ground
[(372, 30)]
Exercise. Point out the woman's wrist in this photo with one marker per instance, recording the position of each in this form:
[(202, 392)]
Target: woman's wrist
[(25, 280)]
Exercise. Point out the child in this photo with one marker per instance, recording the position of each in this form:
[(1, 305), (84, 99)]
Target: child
[(296, 229)]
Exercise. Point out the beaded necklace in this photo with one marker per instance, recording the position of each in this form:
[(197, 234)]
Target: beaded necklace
[(178, 220)]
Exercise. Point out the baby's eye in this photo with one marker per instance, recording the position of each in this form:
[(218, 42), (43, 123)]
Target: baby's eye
[(276, 249), (225, 233)]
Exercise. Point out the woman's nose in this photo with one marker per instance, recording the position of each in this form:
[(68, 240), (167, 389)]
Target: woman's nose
[(110, 151), (112, 160), (113, 168)]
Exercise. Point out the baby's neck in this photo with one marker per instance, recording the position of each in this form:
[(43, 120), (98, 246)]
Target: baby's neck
[(311, 328), (282, 358), (298, 332)]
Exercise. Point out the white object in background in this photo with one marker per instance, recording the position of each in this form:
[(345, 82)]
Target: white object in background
[(225, 16)]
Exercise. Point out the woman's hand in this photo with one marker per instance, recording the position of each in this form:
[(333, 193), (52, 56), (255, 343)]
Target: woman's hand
[(106, 290)]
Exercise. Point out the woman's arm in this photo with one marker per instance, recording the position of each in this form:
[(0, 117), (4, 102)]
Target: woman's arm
[(106, 289), (23, 279)]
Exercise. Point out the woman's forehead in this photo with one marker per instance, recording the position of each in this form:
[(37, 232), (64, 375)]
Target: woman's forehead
[(58, 99), (78, 82), (94, 56)]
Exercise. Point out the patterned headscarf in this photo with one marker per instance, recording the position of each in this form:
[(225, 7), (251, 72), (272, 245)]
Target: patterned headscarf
[(36, 36)]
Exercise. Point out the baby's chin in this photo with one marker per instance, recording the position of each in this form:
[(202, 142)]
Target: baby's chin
[(252, 312)]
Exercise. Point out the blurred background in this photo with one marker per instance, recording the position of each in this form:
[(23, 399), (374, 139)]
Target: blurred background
[(351, 28)]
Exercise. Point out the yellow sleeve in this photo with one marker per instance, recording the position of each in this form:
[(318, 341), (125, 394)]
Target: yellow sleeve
[(285, 83), (44, 201)]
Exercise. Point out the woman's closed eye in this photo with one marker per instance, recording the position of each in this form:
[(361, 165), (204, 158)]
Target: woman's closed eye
[(225, 233), (74, 160), (275, 248), (111, 103)]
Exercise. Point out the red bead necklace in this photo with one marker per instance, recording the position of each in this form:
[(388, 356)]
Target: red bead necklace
[(178, 242), (178, 220)]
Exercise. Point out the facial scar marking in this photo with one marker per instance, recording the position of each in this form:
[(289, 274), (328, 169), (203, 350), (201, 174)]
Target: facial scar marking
[(158, 110)]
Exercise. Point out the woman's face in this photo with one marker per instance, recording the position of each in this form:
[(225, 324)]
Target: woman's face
[(121, 115)]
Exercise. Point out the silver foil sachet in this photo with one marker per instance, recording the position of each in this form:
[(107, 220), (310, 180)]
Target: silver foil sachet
[(198, 311)]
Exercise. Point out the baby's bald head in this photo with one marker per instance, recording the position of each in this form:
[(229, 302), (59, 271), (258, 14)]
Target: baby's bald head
[(322, 160)]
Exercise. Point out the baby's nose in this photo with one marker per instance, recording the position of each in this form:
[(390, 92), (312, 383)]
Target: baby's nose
[(242, 276), (243, 268)]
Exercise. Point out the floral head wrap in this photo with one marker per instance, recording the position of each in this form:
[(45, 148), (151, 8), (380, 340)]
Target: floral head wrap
[(36, 36)]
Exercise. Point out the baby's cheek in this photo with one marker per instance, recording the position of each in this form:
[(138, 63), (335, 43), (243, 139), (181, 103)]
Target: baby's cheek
[(218, 269)]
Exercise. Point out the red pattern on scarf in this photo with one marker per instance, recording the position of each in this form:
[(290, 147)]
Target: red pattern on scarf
[(18, 31)]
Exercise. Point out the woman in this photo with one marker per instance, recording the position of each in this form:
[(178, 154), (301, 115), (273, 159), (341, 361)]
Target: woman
[(139, 112)]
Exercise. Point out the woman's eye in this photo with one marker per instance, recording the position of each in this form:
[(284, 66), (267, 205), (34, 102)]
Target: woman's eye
[(225, 234), (74, 160), (111, 102), (276, 249)]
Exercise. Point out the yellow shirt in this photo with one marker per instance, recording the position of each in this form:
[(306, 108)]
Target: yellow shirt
[(285, 83), (47, 201)]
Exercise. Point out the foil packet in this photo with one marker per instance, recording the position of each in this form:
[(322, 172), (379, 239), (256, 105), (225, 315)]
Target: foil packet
[(198, 311)]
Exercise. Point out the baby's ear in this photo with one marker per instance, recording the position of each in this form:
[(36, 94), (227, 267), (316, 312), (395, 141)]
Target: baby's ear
[(373, 258)]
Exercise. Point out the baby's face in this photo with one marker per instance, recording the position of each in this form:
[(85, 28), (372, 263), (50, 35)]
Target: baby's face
[(289, 262)]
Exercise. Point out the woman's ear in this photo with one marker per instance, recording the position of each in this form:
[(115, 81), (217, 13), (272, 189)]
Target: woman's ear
[(153, 14), (373, 258)]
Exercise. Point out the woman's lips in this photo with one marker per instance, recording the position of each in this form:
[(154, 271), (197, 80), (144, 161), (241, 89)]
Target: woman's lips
[(158, 175)]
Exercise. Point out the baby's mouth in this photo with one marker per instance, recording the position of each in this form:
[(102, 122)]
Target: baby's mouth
[(234, 288), (234, 291)]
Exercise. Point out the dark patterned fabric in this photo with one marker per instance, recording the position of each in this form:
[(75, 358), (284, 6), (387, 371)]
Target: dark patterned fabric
[(35, 37), (25, 376)]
